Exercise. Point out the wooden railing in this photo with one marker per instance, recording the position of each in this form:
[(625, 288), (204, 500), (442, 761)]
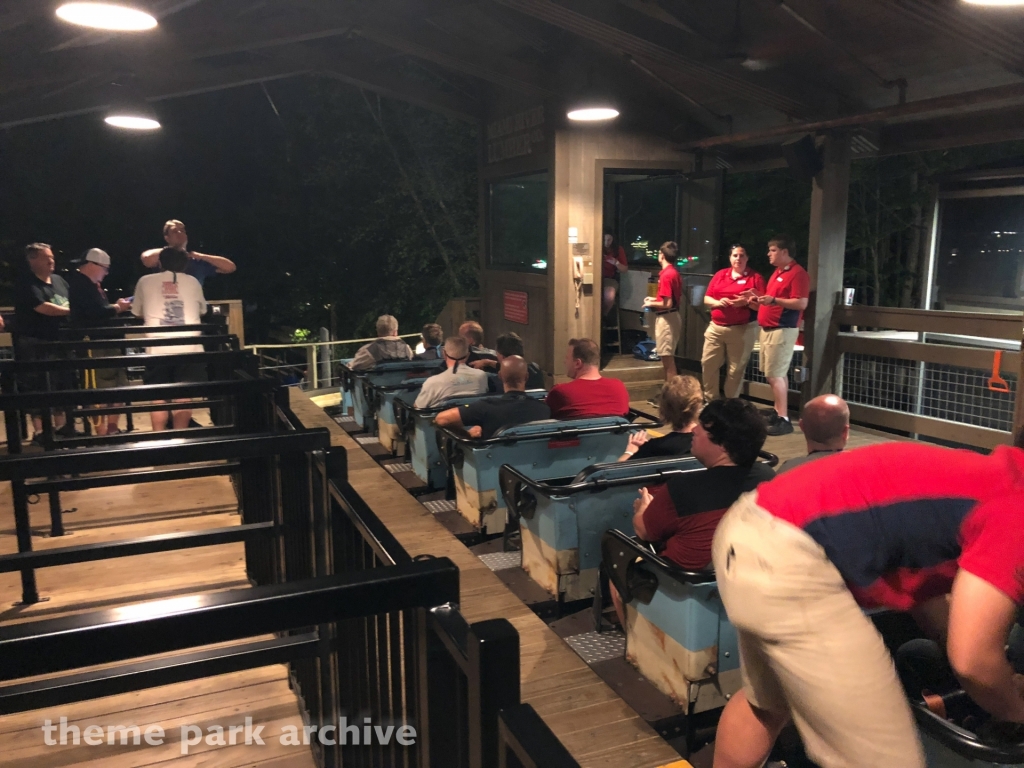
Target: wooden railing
[(968, 350)]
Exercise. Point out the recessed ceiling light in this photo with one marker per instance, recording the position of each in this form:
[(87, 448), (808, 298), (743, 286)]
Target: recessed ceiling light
[(132, 122), (1002, 3), (593, 114), (117, 18)]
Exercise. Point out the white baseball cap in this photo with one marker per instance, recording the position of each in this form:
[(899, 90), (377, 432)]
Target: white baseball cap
[(98, 256)]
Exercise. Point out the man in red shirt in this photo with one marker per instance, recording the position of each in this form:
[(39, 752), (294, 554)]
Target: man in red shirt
[(589, 393), (779, 313), (683, 513), (668, 325), (732, 297), (906, 526)]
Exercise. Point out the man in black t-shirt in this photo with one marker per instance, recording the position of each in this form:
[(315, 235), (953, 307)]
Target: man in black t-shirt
[(89, 309), (41, 307), (486, 416)]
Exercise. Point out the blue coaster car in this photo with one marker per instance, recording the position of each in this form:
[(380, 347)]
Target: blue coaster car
[(545, 449), (677, 633), (382, 399), (562, 520), (417, 430), (361, 383)]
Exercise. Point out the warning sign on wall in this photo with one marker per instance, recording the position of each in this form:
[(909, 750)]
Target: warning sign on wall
[(517, 307)]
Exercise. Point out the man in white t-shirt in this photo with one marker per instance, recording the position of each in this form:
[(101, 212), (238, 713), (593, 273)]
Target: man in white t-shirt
[(170, 297), (457, 379)]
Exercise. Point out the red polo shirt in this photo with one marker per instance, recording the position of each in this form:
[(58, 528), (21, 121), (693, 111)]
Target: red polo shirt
[(899, 519), (610, 270), (724, 286), (670, 286), (788, 282)]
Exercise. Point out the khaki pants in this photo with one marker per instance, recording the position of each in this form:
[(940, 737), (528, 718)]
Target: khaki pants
[(667, 330), (806, 647), (734, 342)]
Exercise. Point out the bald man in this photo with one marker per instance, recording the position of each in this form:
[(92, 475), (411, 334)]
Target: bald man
[(825, 423), (482, 418)]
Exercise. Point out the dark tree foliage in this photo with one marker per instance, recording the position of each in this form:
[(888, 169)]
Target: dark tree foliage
[(324, 197), (886, 243)]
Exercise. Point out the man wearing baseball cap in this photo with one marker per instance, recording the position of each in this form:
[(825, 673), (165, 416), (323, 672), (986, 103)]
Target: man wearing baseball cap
[(90, 308)]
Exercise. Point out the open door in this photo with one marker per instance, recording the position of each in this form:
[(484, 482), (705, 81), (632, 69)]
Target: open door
[(700, 253)]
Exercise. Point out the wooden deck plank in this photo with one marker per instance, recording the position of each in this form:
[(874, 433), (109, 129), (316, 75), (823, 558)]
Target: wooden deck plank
[(550, 670), (110, 514)]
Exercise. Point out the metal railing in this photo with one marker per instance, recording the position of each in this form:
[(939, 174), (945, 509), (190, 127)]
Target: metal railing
[(309, 365), (951, 376)]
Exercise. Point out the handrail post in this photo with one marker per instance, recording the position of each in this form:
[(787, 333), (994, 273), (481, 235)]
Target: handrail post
[(493, 651), (23, 531)]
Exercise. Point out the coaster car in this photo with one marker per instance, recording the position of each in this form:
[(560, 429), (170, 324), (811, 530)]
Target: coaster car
[(562, 520), (359, 384), (677, 633), (549, 448), (417, 431), (955, 731)]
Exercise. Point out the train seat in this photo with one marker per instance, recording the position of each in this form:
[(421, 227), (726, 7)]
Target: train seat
[(562, 520), (383, 398), (546, 449), (677, 635), (416, 426), (361, 383)]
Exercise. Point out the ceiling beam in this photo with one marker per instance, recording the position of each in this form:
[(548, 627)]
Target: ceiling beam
[(956, 102), (604, 33), (468, 57), (388, 84), (175, 85)]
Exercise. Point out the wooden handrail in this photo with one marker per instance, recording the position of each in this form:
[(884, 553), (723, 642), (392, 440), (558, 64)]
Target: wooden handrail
[(939, 354), (982, 324)]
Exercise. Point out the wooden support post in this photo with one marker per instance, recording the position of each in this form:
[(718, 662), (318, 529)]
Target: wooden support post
[(825, 256)]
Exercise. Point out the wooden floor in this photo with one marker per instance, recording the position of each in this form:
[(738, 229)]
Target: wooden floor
[(109, 514), (587, 716)]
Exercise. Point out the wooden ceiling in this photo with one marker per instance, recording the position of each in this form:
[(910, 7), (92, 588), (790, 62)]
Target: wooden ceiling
[(901, 74)]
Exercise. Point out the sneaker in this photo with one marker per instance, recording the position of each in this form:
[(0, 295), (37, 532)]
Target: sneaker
[(780, 426)]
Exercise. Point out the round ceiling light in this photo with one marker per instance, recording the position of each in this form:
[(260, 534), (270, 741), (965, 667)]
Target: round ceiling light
[(997, 3), (117, 18), (593, 114), (132, 122)]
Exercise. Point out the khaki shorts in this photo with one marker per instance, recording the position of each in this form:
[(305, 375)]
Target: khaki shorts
[(806, 647), (667, 330), (777, 351)]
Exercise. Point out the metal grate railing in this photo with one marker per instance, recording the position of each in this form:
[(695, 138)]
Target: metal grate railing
[(941, 391), (754, 368)]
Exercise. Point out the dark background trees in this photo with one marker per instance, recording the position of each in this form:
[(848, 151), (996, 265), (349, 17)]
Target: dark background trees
[(330, 201), (886, 248)]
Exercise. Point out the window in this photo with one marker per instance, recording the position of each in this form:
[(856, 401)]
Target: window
[(647, 218), (518, 223), (980, 258)]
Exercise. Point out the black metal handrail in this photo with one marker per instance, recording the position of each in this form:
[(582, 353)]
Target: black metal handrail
[(623, 553), (231, 357), (214, 327), (226, 340)]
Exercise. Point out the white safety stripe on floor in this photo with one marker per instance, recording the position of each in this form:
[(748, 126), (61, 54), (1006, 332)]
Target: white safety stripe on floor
[(367, 440), (594, 647), (444, 505), (345, 419), (394, 468), (499, 561)]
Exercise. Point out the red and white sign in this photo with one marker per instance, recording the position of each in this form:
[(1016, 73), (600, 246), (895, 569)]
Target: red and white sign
[(517, 307)]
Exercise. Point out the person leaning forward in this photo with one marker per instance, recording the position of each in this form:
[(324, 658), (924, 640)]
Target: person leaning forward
[(732, 297), (483, 417), (936, 532)]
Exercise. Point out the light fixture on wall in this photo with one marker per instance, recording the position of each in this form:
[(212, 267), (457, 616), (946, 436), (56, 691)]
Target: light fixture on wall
[(109, 16), (129, 111)]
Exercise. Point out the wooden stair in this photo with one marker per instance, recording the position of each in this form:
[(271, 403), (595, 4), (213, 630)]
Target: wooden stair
[(643, 380)]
